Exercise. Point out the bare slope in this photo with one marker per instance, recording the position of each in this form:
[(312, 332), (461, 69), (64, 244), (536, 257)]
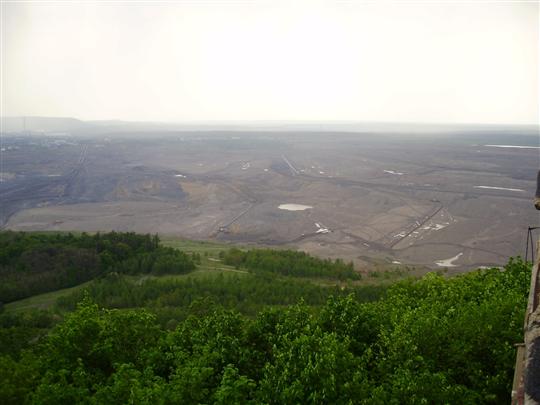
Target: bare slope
[(386, 198)]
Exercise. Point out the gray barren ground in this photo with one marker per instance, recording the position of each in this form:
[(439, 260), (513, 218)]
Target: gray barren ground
[(441, 201)]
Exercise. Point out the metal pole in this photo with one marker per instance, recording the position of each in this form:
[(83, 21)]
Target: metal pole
[(532, 245), (527, 243)]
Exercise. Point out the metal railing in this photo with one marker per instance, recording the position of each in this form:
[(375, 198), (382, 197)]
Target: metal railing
[(526, 386)]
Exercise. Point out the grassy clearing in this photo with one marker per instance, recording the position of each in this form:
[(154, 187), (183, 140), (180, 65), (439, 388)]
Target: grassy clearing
[(41, 301), (47, 300), (211, 249), (202, 271), (209, 252)]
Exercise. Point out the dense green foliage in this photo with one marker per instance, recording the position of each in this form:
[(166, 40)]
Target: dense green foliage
[(177, 298), (33, 263), (433, 340), (289, 263), (19, 331)]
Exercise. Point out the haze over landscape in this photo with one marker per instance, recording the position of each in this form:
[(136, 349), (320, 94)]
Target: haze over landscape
[(463, 62), (361, 111), (269, 202)]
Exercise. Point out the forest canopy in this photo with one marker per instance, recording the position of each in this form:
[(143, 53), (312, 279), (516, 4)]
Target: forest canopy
[(430, 340), (34, 263)]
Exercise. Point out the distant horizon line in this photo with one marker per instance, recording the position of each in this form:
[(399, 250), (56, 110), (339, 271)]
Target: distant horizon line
[(273, 121)]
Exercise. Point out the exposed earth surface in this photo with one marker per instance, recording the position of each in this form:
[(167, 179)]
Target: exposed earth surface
[(455, 200)]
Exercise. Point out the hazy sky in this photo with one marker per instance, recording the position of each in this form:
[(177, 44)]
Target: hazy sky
[(272, 60)]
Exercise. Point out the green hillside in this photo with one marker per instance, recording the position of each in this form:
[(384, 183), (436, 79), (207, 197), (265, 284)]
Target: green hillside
[(192, 323)]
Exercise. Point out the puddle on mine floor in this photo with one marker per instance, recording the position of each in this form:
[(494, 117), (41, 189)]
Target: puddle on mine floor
[(294, 207)]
